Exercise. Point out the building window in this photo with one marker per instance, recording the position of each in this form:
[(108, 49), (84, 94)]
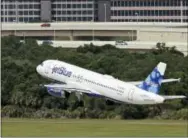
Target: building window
[(59, 6), (141, 3), (90, 5), (20, 12), (20, 6), (83, 5), (26, 6), (69, 12), (74, 6), (11, 6), (78, 5), (30, 6), (36, 12), (25, 19), (185, 12), (68, 6), (63, 19), (68, 19), (74, 12), (74, 18), (11, 13), (84, 19), (115, 3), (30, 12), (37, 6), (53, 6), (25, 13)]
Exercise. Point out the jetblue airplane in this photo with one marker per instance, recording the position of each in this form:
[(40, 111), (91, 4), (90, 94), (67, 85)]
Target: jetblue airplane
[(81, 81)]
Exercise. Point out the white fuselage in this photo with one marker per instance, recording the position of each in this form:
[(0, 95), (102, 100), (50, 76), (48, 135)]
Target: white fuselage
[(107, 86)]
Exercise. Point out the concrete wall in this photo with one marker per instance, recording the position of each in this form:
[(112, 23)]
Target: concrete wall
[(45, 10), (69, 33), (157, 36), (145, 31), (162, 36), (96, 26)]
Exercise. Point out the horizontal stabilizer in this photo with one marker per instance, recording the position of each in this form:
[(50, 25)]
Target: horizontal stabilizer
[(163, 81), (171, 80), (174, 97)]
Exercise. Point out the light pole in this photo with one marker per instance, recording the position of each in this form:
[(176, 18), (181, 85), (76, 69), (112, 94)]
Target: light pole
[(54, 34), (24, 36), (181, 3), (138, 26), (93, 35), (105, 11), (16, 12), (93, 22), (136, 17), (4, 11), (132, 34)]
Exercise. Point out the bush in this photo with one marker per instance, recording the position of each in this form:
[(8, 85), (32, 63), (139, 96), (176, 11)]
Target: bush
[(12, 111), (181, 114)]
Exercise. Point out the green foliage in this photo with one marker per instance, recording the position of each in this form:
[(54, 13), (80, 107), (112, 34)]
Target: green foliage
[(23, 97), (161, 48)]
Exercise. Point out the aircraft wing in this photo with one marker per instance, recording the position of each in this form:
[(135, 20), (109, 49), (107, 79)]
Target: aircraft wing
[(173, 97), (72, 87), (163, 81)]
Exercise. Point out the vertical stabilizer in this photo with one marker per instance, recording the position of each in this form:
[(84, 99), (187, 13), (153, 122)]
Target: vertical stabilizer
[(153, 82)]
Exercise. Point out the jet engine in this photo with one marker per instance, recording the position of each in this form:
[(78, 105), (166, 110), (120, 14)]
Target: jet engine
[(58, 92)]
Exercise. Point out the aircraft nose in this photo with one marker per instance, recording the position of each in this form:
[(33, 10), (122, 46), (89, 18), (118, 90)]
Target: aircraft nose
[(39, 69)]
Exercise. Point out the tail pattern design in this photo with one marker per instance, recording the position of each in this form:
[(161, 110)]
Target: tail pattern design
[(153, 82)]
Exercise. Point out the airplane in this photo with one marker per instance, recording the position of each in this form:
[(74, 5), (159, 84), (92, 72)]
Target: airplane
[(70, 78)]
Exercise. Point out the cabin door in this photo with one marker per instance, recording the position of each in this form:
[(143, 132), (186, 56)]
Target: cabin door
[(131, 94)]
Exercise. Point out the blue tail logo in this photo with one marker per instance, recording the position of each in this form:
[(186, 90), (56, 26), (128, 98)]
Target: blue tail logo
[(153, 82)]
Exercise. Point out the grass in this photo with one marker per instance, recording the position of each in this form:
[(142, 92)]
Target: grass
[(86, 127)]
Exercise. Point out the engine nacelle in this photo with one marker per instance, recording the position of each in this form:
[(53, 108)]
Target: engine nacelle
[(57, 92)]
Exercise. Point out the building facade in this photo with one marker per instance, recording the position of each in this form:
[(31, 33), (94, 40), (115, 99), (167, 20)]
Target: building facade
[(73, 10), (149, 10), (20, 10), (94, 10)]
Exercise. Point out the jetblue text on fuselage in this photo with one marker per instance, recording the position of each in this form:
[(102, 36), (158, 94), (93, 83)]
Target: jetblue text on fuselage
[(61, 71)]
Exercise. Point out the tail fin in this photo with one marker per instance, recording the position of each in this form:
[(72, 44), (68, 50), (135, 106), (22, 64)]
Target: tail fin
[(153, 82)]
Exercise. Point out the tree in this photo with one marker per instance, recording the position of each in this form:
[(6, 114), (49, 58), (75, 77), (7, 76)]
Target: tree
[(23, 97)]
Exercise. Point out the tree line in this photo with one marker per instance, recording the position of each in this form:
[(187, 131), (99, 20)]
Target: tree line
[(23, 97)]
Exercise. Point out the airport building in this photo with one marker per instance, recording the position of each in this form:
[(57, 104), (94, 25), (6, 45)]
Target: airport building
[(149, 10), (94, 10)]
